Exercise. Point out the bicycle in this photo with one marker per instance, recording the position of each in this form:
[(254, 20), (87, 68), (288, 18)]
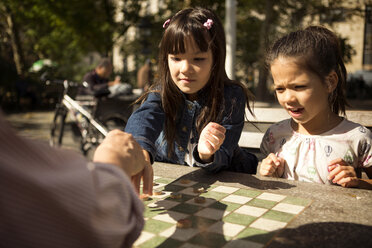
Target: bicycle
[(92, 117)]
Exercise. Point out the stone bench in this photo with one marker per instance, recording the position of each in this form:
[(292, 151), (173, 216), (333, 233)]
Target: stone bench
[(251, 136)]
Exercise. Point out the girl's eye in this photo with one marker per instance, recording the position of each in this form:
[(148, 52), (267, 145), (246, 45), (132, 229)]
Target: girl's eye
[(300, 87), (199, 59), (279, 89), (175, 58)]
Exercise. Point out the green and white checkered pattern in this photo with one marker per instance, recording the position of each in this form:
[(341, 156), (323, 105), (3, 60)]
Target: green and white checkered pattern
[(230, 216)]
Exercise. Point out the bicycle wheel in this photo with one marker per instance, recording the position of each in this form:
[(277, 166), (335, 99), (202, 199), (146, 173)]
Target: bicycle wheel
[(93, 137), (115, 122), (90, 141), (57, 127)]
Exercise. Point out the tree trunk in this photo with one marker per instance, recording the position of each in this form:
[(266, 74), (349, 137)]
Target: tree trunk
[(15, 42), (261, 92), (186, 3), (230, 27)]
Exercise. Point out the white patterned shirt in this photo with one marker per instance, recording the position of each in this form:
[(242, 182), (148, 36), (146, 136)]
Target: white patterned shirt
[(307, 156)]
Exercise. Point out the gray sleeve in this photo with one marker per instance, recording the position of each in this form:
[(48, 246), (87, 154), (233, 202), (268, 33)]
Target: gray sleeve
[(55, 198), (265, 146), (119, 211)]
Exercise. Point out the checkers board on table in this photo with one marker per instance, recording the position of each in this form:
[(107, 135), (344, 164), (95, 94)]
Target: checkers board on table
[(223, 216)]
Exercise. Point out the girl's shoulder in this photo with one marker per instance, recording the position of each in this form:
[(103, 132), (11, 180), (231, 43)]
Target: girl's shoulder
[(233, 90), (352, 128), (150, 100), (233, 87), (281, 126), (345, 127), (153, 96)]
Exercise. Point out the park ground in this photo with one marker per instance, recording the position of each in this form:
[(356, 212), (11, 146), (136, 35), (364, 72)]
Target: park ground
[(36, 124)]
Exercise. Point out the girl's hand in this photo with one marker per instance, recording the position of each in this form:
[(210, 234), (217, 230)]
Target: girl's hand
[(342, 173), (211, 138), (272, 165), (147, 176)]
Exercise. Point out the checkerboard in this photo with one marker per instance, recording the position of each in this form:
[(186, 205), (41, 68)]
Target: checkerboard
[(229, 217)]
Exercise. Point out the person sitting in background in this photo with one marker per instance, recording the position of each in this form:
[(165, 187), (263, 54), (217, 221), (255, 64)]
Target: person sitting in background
[(56, 198), (144, 76), (98, 83)]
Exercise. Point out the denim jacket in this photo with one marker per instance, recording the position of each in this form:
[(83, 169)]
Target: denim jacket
[(146, 125)]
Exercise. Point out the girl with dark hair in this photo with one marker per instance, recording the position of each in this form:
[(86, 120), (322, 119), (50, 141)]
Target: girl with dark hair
[(194, 114), (316, 144)]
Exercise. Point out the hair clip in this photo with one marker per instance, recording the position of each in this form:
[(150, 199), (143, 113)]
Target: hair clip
[(166, 23), (208, 24)]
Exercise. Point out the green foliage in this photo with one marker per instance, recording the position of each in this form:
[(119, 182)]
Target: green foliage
[(69, 30), (62, 31), (286, 16)]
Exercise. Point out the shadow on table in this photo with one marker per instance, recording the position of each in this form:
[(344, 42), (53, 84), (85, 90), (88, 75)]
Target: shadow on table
[(248, 180), (262, 184), (202, 219), (213, 218), (325, 234)]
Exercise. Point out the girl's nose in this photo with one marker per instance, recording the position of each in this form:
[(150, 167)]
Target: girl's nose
[(289, 96), (186, 66)]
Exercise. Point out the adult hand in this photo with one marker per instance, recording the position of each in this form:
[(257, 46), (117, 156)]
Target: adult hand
[(116, 81), (272, 165), (342, 173), (211, 139), (146, 175), (121, 149)]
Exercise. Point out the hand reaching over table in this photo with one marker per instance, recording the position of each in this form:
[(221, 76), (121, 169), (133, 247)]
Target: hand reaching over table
[(210, 141)]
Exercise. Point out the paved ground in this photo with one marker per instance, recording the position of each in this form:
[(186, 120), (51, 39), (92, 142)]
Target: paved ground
[(36, 125)]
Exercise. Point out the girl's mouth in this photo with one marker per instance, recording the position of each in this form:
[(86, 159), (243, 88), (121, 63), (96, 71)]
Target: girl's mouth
[(295, 112), (186, 80)]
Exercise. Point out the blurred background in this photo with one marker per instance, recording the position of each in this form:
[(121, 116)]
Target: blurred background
[(67, 38)]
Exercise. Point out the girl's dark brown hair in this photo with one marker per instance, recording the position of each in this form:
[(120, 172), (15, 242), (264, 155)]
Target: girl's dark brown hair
[(186, 23), (317, 49)]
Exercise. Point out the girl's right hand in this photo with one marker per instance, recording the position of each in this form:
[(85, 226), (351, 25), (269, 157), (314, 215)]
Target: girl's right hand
[(272, 165)]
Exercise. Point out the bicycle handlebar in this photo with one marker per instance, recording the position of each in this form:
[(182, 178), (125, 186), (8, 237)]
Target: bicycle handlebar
[(70, 103)]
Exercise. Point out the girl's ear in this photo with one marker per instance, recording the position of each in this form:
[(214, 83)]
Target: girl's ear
[(331, 81)]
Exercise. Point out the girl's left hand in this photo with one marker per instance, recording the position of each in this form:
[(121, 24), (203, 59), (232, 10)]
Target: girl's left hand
[(342, 173), (211, 139)]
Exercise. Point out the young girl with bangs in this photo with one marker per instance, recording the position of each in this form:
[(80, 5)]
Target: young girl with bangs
[(194, 114), (316, 144)]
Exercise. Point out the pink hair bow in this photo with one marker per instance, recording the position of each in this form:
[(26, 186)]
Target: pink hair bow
[(208, 24), (166, 23)]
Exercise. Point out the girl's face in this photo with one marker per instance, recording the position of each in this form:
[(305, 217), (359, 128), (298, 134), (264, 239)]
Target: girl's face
[(191, 70), (304, 96)]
